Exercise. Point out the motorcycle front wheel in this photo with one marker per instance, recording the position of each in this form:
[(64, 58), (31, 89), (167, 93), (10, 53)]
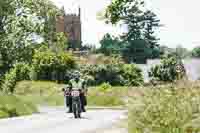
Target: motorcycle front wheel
[(76, 111)]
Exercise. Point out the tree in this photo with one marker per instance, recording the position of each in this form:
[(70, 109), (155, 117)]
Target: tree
[(151, 22), (23, 22), (141, 23), (137, 52), (110, 45)]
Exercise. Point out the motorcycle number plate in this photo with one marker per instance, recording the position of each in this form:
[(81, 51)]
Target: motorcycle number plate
[(75, 93)]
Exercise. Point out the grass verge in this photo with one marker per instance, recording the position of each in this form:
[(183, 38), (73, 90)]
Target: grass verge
[(12, 106), (49, 93), (165, 109)]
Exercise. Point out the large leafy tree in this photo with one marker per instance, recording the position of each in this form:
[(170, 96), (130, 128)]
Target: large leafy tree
[(141, 23), (22, 22)]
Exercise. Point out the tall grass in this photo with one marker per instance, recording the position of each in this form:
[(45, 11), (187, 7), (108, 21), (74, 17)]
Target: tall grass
[(106, 95), (11, 106), (165, 109), (49, 93), (41, 92)]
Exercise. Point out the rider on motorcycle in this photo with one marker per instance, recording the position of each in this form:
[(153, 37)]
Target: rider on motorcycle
[(78, 83)]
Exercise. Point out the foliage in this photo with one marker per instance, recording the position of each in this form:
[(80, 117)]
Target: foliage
[(11, 106), (137, 51), (110, 45), (10, 81), (134, 14), (141, 24), (60, 43), (114, 74), (196, 52), (105, 87), (165, 109), (166, 71), (103, 73), (132, 75), (22, 23), (52, 66), (19, 72)]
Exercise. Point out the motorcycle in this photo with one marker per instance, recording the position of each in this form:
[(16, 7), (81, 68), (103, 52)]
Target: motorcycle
[(76, 103)]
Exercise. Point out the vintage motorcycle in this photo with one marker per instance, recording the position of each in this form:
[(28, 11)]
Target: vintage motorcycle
[(76, 102)]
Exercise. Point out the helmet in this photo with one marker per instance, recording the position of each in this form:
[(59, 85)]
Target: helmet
[(77, 74)]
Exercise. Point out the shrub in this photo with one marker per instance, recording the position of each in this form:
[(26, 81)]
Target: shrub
[(10, 81), (114, 74), (102, 73), (19, 72), (48, 65), (166, 71), (132, 75), (105, 87), (22, 71)]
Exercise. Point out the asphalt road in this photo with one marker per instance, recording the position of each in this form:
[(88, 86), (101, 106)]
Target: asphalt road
[(56, 120)]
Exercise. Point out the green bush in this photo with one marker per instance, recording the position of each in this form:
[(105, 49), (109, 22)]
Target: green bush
[(10, 81), (48, 65), (132, 75), (22, 71), (4, 114), (11, 106), (109, 73), (166, 71), (114, 74), (165, 109), (105, 87), (19, 72)]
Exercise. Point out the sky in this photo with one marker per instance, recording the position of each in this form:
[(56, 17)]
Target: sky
[(180, 19)]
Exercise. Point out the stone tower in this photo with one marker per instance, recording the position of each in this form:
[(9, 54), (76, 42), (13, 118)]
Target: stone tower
[(70, 24)]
